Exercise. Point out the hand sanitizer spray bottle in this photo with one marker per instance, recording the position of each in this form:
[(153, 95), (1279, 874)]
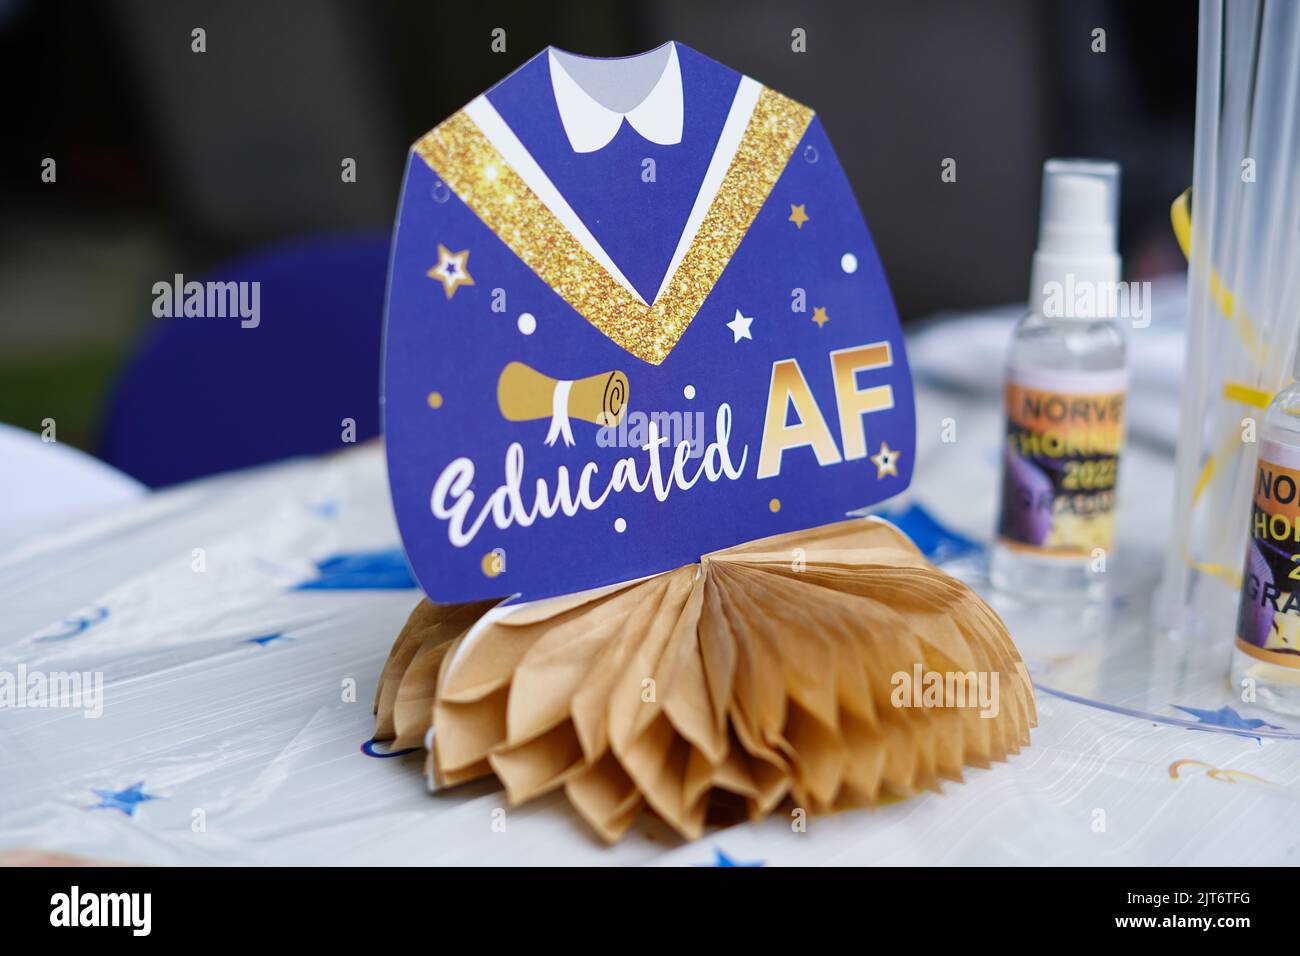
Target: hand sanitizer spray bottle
[(1266, 658), (1066, 380)]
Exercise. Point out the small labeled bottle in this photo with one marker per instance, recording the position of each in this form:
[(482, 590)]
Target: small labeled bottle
[(1266, 656), (1066, 381)]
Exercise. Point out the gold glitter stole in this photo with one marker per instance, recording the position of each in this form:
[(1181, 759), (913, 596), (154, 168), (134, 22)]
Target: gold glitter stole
[(459, 152)]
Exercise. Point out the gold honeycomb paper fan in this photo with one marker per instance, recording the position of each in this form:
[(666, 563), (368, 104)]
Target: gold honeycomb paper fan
[(831, 668)]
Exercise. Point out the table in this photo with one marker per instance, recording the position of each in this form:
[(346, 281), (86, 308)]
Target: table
[(240, 623)]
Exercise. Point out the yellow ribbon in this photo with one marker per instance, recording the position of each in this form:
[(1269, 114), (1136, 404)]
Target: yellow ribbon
[(1180, 215)]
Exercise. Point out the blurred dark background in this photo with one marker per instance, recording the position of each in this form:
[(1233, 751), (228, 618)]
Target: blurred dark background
[(169, 161)]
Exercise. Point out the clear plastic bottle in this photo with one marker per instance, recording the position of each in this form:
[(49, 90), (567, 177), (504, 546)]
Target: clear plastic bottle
[(1266, 655), (1066, 382)]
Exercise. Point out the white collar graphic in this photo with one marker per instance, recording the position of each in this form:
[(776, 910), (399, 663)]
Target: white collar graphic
[(590, 125), (500, 135)]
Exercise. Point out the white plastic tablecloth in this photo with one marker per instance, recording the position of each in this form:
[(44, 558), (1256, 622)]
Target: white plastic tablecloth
[(236, 702)]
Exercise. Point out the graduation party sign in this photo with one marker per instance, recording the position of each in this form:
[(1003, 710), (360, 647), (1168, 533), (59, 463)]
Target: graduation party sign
[(638, 336), (634, 316)]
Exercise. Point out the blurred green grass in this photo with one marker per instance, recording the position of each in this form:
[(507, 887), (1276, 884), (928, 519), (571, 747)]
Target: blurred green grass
[(71, 387)]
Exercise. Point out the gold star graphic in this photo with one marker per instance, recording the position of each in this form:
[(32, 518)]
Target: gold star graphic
[(798, 215), (886, 461), (451, 270), (820, 316)]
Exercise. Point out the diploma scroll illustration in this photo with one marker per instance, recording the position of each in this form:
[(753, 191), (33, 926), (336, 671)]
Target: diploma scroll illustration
[(525, 394)]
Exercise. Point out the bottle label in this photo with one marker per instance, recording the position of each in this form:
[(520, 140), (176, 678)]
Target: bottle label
[(1061, 458), (1268, 616)]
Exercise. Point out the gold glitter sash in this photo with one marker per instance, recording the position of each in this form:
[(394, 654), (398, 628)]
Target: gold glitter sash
[(459, 153)]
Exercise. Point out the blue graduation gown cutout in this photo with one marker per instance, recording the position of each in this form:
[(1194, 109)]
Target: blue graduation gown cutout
[(550, 311)]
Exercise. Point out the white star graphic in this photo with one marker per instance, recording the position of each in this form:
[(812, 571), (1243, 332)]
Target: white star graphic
[(740, 326)]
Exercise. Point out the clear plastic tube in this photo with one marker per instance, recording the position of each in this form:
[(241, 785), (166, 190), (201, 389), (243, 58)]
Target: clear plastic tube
[(1243, 279)]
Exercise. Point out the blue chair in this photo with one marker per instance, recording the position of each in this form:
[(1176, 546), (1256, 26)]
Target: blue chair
[(206, 395)]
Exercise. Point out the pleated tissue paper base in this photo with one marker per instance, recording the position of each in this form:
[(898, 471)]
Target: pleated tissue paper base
[(829, 668)]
